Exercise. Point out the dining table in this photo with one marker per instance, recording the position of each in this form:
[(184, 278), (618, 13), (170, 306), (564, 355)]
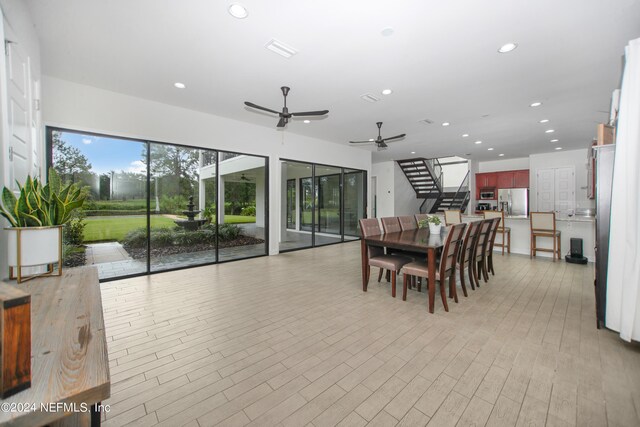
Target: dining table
[(419, 240)]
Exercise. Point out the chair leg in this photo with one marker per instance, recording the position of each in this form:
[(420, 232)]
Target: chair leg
[(380, 274), (555, 248), (443, 295), (533, 238), (485, 274), (476, 272), (559, 248), (490, 259), (462, 284), (452, 286), (367, 275), (419, 280), (503, 234), (509, 242), (471, 272), (405, 279), (388, 275), (393, 284)]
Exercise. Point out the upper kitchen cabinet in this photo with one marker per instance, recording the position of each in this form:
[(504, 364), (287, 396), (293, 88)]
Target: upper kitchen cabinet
[(521, 179), (505, 179)]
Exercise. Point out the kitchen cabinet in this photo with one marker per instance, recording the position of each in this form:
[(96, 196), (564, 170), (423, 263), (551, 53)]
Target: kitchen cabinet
[(521, 179), (505, 180)]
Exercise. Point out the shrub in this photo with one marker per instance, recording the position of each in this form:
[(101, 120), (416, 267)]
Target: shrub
[(228, 232), (173, 204), (74, 230), (136, 238), (248, 211), (162, 237)]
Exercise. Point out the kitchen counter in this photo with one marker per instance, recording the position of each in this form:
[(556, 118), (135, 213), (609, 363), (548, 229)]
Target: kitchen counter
[(583, 227)]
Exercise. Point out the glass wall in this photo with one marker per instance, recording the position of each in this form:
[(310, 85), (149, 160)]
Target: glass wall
[(154, 206), (296, 224), (328, 212), (354, 202), (322, 205)]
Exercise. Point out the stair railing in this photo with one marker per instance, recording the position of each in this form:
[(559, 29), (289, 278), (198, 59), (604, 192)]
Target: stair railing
[(435, 169), (463, 189)]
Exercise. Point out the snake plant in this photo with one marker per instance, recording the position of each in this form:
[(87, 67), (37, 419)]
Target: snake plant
[(40, 205)]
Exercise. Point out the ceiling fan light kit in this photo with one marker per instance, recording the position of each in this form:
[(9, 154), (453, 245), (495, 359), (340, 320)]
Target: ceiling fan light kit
[(285, 115)]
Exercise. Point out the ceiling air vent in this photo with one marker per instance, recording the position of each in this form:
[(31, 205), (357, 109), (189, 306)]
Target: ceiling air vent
[(369, 98), (280, 48), (426, 121)]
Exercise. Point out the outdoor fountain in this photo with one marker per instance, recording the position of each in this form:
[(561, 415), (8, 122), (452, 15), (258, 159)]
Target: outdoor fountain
[(190, 223)]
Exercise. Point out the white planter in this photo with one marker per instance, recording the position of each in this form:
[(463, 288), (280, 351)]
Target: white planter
[(38, 245), (435, 229)]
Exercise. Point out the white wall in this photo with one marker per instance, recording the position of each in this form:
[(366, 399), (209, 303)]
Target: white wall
[(559, 159), (453, 175), (20, 26), (85, 108), (504, 165), (384, 173)]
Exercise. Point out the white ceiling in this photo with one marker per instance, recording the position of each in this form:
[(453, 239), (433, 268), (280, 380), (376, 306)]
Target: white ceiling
[(441, 62)]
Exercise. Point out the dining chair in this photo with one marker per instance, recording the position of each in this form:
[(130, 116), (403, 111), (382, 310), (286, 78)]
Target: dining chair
[(478, 253), (420, 217), (452, 217), (446, 268), (390, 224), (407, 222), (466, 253), (505, 232), (488, 253), (377, 258), (543, 224)]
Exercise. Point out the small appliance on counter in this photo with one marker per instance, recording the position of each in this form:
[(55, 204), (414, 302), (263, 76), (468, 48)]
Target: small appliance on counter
[(484, 206)]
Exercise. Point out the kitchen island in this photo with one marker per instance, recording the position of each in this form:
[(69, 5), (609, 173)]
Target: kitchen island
[(583, 227)]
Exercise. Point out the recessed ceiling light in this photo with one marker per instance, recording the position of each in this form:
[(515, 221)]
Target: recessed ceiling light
[(446, 124), (549, 131), (490, 149), (371, 139), (507, 47), (413, 152), (543, 121), (464, 135), (180, 85), (478, 142), (238, 11), (500, 155), (554, 140), (307, 121), (387, 31), (535, 104), (558, 148), (387, 92)]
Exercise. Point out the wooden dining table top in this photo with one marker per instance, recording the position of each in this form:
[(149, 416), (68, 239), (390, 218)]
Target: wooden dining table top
[(418, 240)]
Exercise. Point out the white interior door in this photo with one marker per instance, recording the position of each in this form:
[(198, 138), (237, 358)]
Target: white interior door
[(545, 190), (565, 189), (18, 108)]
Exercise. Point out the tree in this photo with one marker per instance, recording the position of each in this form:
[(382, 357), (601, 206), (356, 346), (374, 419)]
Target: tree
[(175, 170), (69, 162)]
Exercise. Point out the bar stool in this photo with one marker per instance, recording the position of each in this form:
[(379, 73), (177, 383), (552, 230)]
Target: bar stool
[(452, 217), (543, 224), (504, 231)]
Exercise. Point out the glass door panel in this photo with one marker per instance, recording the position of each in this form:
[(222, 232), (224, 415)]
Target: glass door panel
[(354, 202), (243, 194), (328, 205), (296, 228)]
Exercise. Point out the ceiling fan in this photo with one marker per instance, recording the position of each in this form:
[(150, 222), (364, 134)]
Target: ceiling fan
[(285, 115), (380, 141)]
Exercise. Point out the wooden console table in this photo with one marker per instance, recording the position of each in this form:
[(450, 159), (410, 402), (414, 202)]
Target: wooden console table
[(69, 361)]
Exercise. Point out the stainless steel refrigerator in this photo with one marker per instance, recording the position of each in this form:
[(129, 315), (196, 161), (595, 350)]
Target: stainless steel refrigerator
[(514, 201)]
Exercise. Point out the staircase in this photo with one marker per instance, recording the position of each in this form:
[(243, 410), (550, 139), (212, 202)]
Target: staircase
[(425, 176)]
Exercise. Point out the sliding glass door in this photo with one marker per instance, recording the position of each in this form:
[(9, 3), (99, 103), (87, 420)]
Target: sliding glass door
[(322, 205), (155, 207)]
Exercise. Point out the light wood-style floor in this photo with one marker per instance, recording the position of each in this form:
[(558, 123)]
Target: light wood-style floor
[(292, 340)]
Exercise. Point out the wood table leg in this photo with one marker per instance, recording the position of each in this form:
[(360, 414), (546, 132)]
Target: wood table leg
[(431, 265), (365, 264)]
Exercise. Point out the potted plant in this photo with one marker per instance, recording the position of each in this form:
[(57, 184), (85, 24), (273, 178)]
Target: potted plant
[(36, 217), (435, 225)]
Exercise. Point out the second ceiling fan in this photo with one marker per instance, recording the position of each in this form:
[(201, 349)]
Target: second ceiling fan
[(285, 115), (380, 141)]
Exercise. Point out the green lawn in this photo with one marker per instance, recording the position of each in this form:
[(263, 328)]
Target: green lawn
[(114, 228), (110, 228), (238, 219)]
